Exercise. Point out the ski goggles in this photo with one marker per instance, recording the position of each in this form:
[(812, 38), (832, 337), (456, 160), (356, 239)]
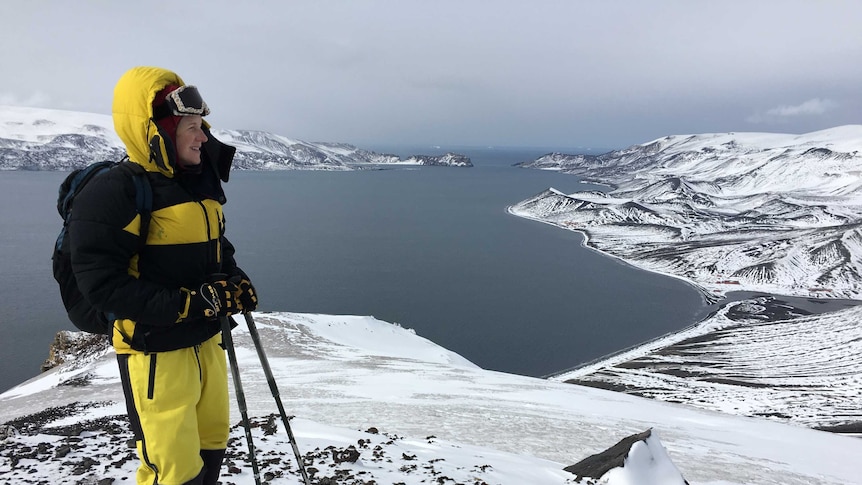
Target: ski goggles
[(185, 101)]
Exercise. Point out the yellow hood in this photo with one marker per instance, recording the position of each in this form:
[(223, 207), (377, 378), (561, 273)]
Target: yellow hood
[(133, 117)]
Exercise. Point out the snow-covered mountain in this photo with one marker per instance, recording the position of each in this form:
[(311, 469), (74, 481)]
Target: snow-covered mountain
[(768, 212), (744, 211), (375, 403), (43, 139)]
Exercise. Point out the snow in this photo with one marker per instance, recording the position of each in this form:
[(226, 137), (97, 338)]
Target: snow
[(342, 375), (773, 212), (647, 462), (840, 138), (40, 125)]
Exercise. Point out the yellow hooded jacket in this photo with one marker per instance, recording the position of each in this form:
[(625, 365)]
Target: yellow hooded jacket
[(185, 243)]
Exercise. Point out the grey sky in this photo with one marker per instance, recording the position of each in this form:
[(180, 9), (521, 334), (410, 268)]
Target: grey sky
[(570, 73)]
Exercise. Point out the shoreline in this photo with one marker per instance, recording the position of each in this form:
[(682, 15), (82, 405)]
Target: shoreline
[(715, 292), (787, 358), (700, 328), (714, 299), (706, 294)]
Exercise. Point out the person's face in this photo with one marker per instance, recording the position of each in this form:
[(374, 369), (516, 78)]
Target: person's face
[(190, 137)]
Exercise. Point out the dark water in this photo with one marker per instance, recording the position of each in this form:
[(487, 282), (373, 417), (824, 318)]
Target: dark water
[(430, 248)]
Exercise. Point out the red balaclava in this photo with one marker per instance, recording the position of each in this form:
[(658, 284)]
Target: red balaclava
[(169, 124)]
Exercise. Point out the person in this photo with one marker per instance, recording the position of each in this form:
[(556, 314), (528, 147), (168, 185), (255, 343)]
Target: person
[(165, 298)]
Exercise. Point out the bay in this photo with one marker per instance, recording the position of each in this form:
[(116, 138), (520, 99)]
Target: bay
[(429, 248)]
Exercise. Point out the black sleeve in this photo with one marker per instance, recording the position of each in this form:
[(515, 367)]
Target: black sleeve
[(228, 265), (101, 251)]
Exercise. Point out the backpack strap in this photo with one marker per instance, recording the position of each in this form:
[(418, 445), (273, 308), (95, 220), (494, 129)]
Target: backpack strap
[(73, 184), (144, 206), (143, 197)]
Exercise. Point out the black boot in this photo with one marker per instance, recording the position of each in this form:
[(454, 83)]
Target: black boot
[(198, 480), (212, 465)]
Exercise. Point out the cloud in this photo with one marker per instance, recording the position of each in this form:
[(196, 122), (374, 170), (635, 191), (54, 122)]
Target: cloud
[(783, 113), (456, 72), (814, 106), (35, 100)]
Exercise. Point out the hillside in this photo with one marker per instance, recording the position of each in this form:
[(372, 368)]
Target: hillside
[(740, 211), (436, 418)]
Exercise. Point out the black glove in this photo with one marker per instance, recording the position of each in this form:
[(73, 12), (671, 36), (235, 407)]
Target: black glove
[(247, 294), (215, 298)]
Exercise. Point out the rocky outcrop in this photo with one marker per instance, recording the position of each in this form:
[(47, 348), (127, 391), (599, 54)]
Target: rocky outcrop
[(599, 465), (74, 345)]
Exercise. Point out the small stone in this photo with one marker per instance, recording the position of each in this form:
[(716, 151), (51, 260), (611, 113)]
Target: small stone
[(62, 451)]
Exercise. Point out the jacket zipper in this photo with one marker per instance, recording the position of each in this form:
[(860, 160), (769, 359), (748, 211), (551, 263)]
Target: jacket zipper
[(214, 259)]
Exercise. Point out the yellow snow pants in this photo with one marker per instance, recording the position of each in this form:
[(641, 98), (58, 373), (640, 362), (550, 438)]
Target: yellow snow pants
[(178, 405)]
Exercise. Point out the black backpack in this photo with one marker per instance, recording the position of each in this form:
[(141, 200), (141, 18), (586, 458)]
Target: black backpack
[(80, 311)]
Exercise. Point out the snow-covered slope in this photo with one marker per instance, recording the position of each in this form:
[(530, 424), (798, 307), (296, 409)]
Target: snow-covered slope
[(767, 212), (437, 418), (758, 357), (43, 139)]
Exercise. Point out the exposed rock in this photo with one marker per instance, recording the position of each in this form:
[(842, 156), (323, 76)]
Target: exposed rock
[(350, 455), (7, 431), (598, 465), (77, 345)]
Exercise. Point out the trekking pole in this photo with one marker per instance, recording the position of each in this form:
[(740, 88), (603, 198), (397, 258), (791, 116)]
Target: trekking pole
[(227, 340), (264, 362)]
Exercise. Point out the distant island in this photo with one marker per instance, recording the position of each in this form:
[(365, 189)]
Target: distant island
[(45, 139)]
